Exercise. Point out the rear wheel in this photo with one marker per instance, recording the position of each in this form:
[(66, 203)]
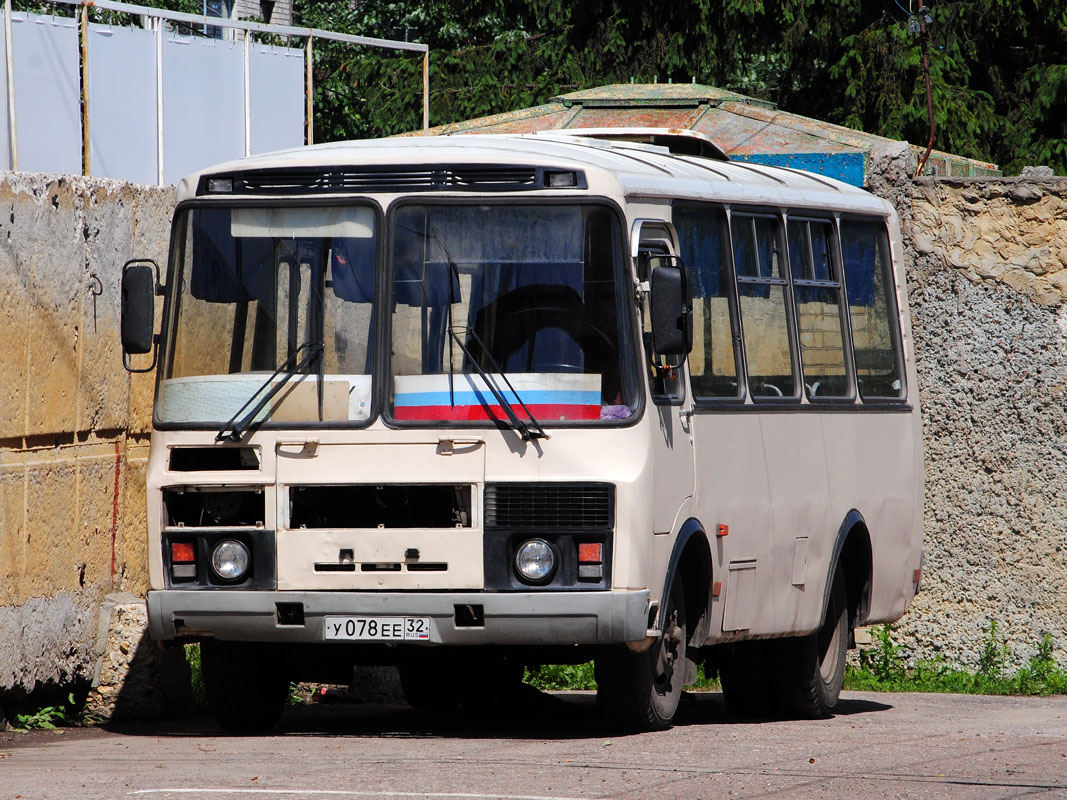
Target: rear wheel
[(429, 684), (747, 676), (246, 690), (813, 667), (489, 684), (641, 691)]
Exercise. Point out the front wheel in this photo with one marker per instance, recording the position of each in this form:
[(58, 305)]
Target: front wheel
[(641, 691), (246, 691), (813, 667)]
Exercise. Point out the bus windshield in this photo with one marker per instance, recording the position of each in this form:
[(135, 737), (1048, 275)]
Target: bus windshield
[(496, 311), (502, 310), (274, 303)]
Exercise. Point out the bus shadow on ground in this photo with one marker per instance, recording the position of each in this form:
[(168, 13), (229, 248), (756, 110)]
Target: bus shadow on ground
[(527, 714)]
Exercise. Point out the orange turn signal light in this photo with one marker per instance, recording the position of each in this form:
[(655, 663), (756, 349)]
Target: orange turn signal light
[(590, 553), (182, 552), (724, 530)]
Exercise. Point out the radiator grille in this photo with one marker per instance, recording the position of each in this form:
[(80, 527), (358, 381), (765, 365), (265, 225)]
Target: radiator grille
[(480, 178), (549, 505)]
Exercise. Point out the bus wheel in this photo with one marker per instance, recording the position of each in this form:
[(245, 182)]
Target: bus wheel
[(641, 691), (812, 668), (244, 692), (747, 680), (427, 687)]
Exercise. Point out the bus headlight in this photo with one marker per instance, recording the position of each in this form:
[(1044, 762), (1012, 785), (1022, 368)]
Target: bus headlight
[(535, 561), (230, 560)]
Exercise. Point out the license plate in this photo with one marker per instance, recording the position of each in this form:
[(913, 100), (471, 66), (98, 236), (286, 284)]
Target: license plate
[(377, 629)]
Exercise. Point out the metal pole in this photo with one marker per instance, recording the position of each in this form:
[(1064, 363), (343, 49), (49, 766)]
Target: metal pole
[(426, 93), (248, 101), (8, 46), (310, 88), (159, 101), (86, 154)]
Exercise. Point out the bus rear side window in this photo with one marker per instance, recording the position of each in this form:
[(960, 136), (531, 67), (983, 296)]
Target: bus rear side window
[(816, 292), (869, 288)]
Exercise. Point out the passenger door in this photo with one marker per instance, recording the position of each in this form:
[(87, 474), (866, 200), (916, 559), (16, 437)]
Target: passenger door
[(672, 405)]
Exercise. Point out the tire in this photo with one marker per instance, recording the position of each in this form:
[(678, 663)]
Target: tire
[(812, 668), (245, 690), (747, 676), (429, 684), (641, 691)]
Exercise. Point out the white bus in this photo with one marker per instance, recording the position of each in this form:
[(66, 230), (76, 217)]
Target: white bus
[(468, 404)]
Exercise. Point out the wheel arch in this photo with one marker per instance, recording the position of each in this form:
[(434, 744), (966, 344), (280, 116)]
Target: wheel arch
[(853, 554), (691, 558)]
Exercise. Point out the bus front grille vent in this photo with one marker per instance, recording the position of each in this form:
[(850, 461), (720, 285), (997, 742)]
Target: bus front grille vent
[(549, 505), (347, 179)]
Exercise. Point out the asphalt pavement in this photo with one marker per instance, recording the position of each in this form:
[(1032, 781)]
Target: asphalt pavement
[(556, 747)]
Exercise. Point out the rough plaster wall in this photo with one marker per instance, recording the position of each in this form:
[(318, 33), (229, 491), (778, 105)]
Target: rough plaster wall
[(73, 423), (986, 264)]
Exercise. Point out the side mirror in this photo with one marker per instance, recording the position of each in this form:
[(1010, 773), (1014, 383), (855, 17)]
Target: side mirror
[(671, 307), (140, 281)]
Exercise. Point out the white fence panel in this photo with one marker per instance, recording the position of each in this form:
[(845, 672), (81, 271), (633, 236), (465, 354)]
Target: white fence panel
[(46, 67), (203, 104), (276, 102), (122, 104)]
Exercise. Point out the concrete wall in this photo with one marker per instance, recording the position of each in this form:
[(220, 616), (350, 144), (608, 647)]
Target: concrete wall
[(73, 423), (986, 265), (988, 271)]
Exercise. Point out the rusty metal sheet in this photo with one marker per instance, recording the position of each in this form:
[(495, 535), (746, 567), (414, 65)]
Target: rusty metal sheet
[(745, 128), (635, 118)]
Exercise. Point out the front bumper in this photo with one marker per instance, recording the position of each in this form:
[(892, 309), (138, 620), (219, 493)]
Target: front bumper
[(512, 618)]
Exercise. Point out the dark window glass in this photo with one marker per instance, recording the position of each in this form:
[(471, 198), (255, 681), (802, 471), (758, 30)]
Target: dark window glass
[(818, 309), (762, 294), (702, 232), (869, 287)]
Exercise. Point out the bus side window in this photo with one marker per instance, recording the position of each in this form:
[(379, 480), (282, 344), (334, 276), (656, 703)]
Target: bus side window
[(817, 298), (872, 310), (762, 289), (704, 239)]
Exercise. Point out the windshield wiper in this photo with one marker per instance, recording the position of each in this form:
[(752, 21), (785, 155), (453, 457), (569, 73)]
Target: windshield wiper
[(525, 431), (233, 430)]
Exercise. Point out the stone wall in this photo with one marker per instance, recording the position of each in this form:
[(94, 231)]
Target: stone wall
[(73, 424), (987, 264), (987, 288)]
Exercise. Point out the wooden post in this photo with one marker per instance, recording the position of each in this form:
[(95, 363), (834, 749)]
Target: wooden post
[(310, 111), (9, 47), (86, 155), (426, 93)]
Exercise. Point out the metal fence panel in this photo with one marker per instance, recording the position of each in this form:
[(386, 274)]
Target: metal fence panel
[(46, 67), (276, 78), (203, 104), (122, 103)]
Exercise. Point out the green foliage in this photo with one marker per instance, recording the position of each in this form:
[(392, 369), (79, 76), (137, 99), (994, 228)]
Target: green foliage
[(196, 675), (998, 69), (561, 677), (49, 717), (883, 668)]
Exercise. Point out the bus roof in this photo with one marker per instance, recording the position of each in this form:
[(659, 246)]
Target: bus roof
[(633, 169)]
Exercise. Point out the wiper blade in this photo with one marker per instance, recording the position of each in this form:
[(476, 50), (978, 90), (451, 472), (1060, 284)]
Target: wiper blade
[(525, 431), (234, 429)]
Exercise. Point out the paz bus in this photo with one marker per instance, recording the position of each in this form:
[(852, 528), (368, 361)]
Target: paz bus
[(470, 404)]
